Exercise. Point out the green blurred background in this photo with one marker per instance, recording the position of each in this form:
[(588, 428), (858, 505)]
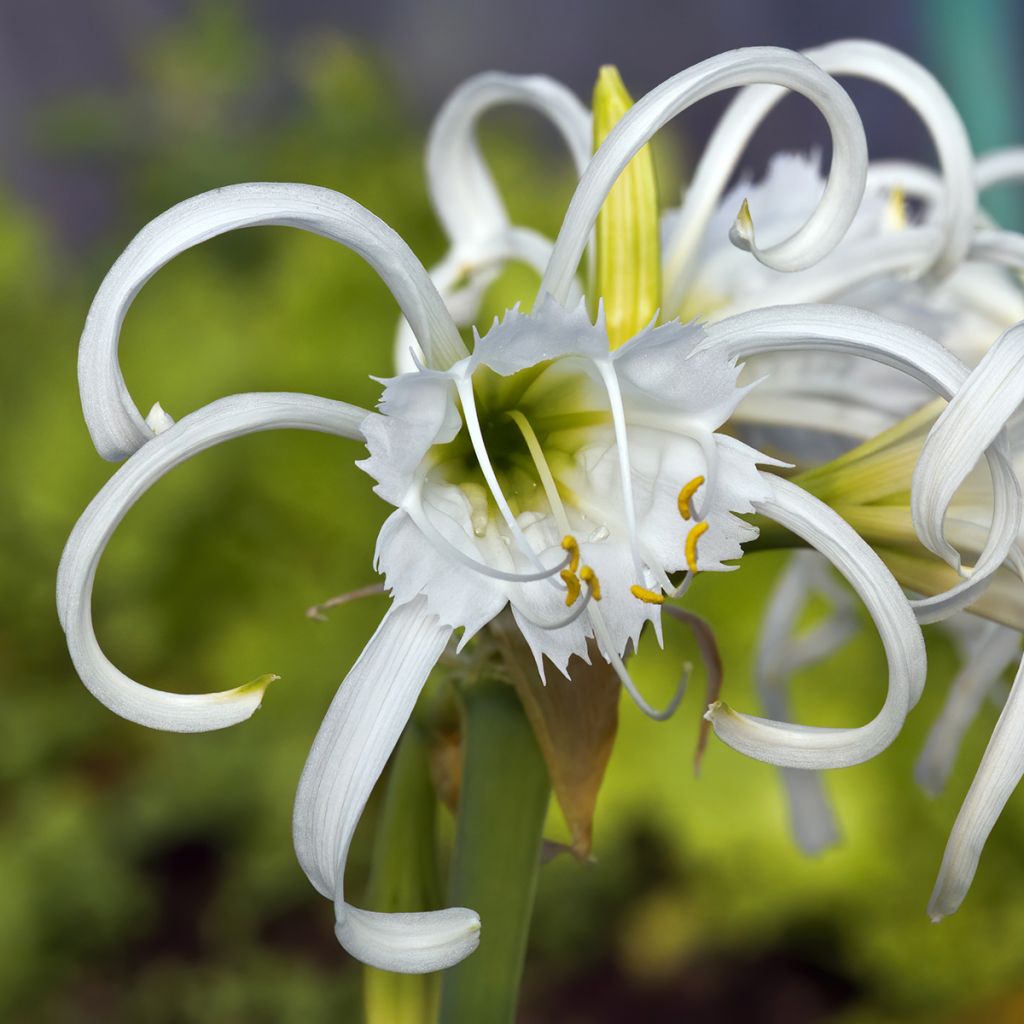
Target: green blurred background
[(150, 877)]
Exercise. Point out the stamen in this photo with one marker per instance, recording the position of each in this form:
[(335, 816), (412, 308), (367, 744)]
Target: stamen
[(570, 544), (581, 607), (572, 585), (896, 210), (590, 577), (647, 596), (692, 537), (464, 386), (611, 385), (413, 506), (604, 639), (686, 493), (316, 611)]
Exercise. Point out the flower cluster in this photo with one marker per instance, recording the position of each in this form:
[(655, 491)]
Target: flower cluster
[(586, 459)]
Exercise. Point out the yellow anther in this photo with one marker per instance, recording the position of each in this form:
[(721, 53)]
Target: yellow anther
[(896, 210), (687, 493), (572, 586), (647, 596), (570, 545), (589, 576), (698, 530)]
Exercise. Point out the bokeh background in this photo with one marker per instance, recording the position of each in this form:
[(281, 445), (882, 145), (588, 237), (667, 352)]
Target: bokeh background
[(149, 877)]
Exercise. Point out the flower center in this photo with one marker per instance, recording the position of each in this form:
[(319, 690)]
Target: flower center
[(531, 426)]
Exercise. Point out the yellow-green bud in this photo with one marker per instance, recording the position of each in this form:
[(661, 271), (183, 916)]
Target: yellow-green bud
[(628, 270)]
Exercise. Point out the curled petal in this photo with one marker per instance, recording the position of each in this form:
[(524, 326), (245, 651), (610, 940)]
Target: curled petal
[(818, 236), (842, 329), (794, 746), (362, 726), (995, 649), (1000, 167), (1001, 768), (462, 189), (856, 332), (974, 418), (219, 421), (1003, 247), (857, 58), (115, 423)]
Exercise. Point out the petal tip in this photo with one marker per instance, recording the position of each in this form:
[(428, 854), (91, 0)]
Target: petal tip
[(256, 687), (741, 234)]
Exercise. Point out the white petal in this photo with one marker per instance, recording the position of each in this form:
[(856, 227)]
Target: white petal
[(412, 565), (856, 332), (814, 239), (857, 58), (461, 186), (216, 422), (796, 746), (974, 418), (356, 739), (842, 329), (994, 650), (115, 423), (1000, 167), (1003, 247), (551, 331), (1001, 768)]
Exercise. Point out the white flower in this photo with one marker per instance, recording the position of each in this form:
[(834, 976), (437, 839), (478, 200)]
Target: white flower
[(936, 275), (579, 485)]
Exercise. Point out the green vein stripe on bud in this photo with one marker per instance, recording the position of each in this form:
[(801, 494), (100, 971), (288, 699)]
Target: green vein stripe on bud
[(628, 268)]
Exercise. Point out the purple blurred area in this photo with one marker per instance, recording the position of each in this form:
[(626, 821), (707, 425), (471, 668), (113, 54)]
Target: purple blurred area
[(53, 50)]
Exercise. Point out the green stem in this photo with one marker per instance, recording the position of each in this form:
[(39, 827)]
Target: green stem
[(404, 876), (502, 806)]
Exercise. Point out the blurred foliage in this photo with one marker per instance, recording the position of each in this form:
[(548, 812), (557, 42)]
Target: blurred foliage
[(150, 877)]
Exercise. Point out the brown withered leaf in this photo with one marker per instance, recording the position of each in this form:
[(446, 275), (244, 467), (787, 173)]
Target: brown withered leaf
[(574, 720)]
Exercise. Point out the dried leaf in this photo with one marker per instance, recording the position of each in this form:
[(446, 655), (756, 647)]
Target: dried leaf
[(574, 721)]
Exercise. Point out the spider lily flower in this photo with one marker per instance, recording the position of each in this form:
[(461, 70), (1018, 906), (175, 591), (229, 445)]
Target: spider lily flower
[(579, 484), (991, 397)]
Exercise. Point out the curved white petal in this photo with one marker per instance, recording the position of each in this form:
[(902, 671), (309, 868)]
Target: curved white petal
[(814, 239), (219, 421), (115, 423), (995, 648), (1000, 167), (461, 186), (856, 58), (856, 332), (795, 746), (1001, 768), (1003, 247), (357, 736), (968, 425), (842, 329)]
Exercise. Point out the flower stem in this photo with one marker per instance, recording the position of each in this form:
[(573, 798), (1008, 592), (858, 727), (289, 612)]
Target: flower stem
[(502, 806), (404, 877)]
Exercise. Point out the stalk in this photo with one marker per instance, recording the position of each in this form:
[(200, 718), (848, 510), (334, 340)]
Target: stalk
[(502, 807)]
